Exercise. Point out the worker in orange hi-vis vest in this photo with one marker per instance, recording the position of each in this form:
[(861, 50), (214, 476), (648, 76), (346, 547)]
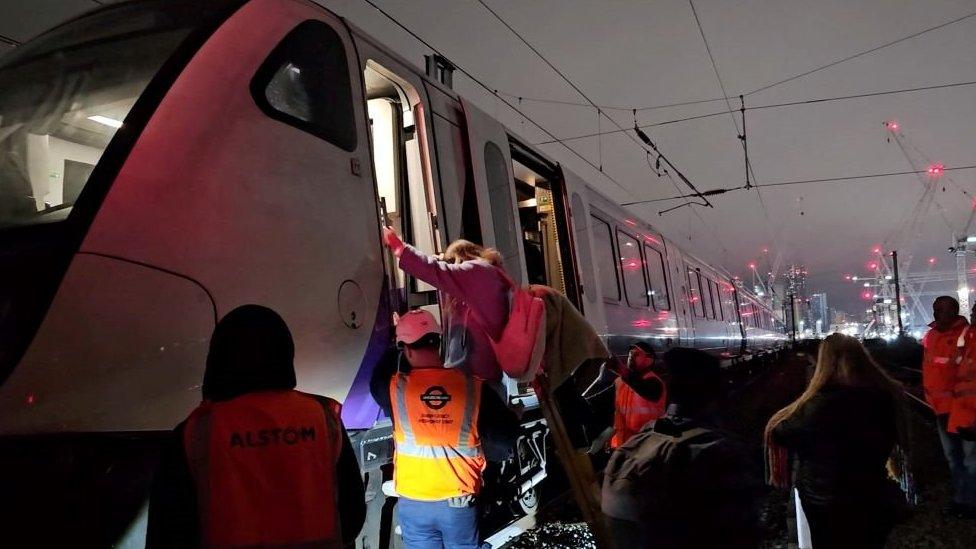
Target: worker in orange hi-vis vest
[(962, 423), (939, 369), (633, 411), (640, 394), (257, 464), (438, 428)]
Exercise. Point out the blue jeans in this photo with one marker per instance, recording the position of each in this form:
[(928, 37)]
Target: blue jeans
[(961, 455), (436, 525)]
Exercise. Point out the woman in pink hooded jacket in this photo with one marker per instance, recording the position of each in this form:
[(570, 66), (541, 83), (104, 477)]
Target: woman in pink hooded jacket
[(475, 299)]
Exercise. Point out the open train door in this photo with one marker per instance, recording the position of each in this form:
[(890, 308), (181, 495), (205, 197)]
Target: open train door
[(491, 163)]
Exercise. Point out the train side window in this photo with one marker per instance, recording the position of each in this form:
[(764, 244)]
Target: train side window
[(694, 293), (657, 277), (305, 83), (726, 294), (606, 263), (706, 296), (716, 300), (632, 268)]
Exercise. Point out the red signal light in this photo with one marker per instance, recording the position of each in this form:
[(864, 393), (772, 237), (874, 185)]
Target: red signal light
[(935, 170), (892, 125), (867, 296), (876, 249), (847, 277), (752, 265), (872, 266), (931, 261)]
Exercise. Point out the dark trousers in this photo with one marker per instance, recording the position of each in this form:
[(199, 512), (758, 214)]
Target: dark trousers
[(961, 455), (847, 526)]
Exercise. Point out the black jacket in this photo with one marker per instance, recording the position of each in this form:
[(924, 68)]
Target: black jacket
[(498, 426), (841, 438), (684, 484)]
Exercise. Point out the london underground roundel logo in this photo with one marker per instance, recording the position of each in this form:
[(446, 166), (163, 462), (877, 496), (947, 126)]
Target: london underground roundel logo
[(435, 397)]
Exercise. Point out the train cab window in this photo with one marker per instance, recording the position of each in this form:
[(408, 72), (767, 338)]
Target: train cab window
[(657, 277), (606, 262), (406, 200), (695, 293), (632, 267), (305, 83)]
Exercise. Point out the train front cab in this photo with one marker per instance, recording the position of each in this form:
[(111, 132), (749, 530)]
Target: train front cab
[(164, 162)]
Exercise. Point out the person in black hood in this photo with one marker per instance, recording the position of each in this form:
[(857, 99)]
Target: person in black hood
[(246, 467)]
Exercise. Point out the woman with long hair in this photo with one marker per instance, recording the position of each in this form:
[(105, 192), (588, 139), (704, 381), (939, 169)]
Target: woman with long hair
[(475, 295), (843, 430)]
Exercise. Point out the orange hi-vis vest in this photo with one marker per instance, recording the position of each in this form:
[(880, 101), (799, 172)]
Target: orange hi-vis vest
[(264, 466), (939, 365), (634, 411), (435, 427), (962, 414)]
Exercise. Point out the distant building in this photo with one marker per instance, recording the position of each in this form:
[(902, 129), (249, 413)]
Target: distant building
[(819, 318)]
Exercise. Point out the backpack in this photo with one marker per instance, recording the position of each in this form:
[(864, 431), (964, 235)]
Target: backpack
[(645, 464), (519, 348)]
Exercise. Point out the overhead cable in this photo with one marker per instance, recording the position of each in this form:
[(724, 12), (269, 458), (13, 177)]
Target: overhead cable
[(497, 95), (713, 192), (862, 53), (783, 105), (773, 84)]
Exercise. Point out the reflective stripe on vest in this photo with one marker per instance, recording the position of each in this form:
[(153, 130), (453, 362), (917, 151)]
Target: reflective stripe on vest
[(634, 411), (939, 366), (962, 414), (264, 467), (438, 450)]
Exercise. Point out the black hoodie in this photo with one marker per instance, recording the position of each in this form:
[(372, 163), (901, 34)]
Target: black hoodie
[(251, 350)]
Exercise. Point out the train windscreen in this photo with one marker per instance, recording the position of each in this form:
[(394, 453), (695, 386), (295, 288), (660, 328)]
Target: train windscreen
[(64, 95)]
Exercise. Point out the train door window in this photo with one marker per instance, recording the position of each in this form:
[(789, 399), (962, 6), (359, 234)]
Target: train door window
[(695, 293), (305, 83), (402, 180), (728, 300), (657, 277), (581, 230), (544, 247), (706, 296), (632, 267), (606, 262), (717, 300)]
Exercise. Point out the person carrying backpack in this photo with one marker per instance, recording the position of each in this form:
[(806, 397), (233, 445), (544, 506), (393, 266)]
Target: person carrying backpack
[(475, 302), (681, 482)]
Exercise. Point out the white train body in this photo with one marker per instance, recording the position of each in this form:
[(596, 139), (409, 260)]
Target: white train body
[(246, 172)]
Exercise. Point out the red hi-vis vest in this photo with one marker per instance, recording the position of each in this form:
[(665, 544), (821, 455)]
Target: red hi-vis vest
[(962, 413), (264, 466), (435, 427), (634, 411), (939, 365)]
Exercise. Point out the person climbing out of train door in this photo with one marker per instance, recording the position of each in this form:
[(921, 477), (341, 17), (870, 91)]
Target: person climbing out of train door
[(640, 392), (939, 369), (475, 299), (257, 463), (962, 420), (439, 416)]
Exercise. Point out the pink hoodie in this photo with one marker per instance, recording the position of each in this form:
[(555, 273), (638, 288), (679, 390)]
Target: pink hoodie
[(480, 293)]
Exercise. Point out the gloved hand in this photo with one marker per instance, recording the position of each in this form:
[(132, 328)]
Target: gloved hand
[(392, 241)]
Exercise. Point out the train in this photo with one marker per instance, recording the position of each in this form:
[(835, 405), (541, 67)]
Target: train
[(164, 161)]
